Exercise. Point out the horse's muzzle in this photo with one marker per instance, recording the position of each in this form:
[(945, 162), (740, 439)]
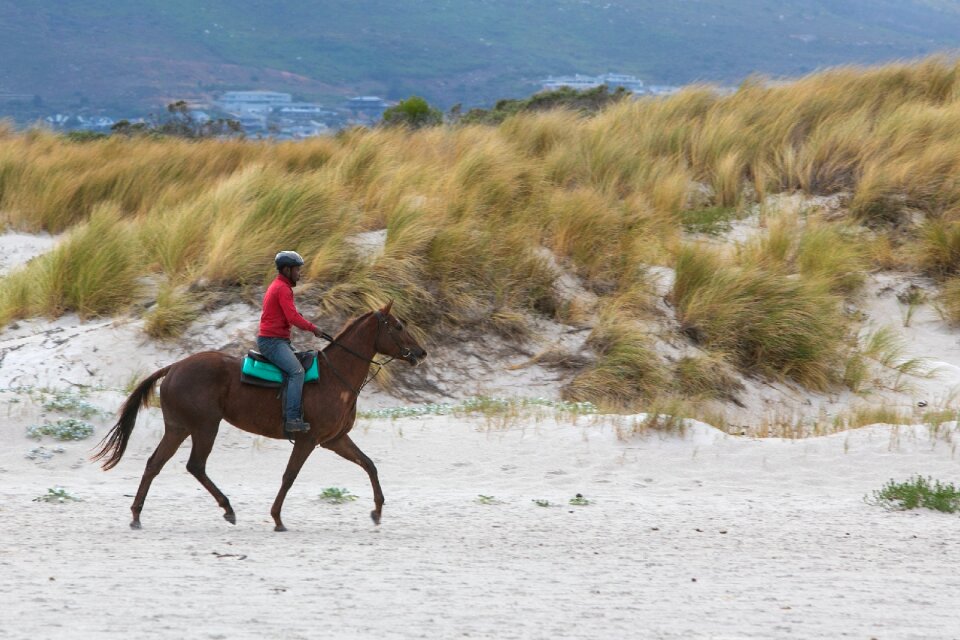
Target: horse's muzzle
[(414, 356)]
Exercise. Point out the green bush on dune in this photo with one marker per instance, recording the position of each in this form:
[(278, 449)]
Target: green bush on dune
[(918, 492)]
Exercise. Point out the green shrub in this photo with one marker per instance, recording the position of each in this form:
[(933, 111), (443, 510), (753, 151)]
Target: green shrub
[(57, 495), (65, 429), (917, 492), (336, 495), (414, 112), (66, 402)]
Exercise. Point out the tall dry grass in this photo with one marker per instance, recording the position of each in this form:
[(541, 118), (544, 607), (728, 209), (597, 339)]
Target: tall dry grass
[(782, 325), (94, 271), (470, 210)]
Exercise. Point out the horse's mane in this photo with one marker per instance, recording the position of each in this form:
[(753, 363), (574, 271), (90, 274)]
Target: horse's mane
[(348, 326)]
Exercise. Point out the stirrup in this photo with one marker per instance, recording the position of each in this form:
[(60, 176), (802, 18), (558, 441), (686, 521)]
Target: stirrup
[(296, 426)]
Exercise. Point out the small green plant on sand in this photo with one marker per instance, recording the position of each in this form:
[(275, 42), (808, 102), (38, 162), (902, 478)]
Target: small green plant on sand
[(540, 502), (335, 495), (71, 403), (65, 429), (579, 501), (915, 493), (711, 221), (58, 495), (482, 499)]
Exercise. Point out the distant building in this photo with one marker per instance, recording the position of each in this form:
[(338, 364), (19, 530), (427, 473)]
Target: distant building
[(662, 89), (302, 111), (68, 122), (582, 83), (311, 130), (370, 106), (578, 82), (630, 83), (253, 122), (248, 102)]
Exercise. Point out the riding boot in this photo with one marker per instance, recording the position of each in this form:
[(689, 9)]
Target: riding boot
[(296, 426)]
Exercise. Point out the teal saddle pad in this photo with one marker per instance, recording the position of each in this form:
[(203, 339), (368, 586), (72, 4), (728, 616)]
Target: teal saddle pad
[(258, 370)]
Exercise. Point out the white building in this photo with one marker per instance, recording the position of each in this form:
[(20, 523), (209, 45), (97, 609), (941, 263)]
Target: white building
[(582, 83), (246, 102)]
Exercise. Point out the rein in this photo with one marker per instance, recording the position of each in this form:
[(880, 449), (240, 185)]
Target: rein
[(380, 364)]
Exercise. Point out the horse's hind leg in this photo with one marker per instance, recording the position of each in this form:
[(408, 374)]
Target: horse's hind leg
[(346, 448), (197, 465), (171, 441)]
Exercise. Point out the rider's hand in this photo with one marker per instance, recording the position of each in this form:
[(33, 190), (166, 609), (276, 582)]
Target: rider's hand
[(318, 332)]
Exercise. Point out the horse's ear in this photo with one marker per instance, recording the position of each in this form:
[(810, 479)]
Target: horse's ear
[(386, 309)]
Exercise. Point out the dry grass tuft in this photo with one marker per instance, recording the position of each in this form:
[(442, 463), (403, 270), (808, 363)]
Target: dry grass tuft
[(175, 309)]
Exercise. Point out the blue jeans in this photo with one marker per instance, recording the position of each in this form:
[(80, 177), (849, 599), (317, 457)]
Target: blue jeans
[(279, 352)]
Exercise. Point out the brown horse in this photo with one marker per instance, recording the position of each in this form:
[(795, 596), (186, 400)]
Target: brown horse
[(203, 389)]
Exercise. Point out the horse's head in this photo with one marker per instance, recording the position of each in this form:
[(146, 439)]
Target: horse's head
[(394, 340)]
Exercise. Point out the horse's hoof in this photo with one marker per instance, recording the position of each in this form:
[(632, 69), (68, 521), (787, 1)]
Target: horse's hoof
[(375, 517), (135, 525), (279, 527), (231, 518)]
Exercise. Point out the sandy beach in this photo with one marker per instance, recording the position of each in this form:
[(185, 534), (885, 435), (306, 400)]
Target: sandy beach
[(694, 535)]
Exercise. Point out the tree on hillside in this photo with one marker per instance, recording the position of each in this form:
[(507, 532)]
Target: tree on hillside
[(587, 102), (180, 122), (414, 112)]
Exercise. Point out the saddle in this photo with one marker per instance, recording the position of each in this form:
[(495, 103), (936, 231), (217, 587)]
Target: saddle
[(260, 372)]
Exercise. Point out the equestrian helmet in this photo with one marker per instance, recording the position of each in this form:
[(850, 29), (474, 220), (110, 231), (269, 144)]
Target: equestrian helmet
[(288, 259)]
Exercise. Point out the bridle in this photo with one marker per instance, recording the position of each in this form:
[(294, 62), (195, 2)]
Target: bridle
[(382, 321)]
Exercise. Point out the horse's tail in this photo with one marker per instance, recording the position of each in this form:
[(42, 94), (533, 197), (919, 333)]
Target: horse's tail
[(115, 442)]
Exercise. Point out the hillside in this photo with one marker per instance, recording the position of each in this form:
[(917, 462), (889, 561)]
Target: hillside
[(102, 53)]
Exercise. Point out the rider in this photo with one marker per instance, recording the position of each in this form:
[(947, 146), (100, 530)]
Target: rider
[(273, 341)]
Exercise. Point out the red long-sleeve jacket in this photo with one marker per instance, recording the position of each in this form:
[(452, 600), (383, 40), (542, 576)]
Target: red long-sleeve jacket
[(279, 311)]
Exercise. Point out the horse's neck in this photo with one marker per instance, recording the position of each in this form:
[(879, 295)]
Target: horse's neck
[(360, 342)]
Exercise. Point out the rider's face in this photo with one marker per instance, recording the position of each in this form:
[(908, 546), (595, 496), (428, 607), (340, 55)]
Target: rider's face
[(293, 274)]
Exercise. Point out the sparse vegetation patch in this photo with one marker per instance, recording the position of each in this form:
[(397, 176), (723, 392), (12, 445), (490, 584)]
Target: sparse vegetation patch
[(63, 429), (337, 495), (483, 405), (71, 403), (918, 492), (57, 495)]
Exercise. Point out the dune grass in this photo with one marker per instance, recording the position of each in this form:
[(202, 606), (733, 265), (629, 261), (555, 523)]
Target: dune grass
[(470, 209), (628, 370), (93, 272), (173, 312), (785, 326)]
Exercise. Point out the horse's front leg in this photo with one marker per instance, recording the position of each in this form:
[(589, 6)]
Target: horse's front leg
[(346, 448), (301, 451)]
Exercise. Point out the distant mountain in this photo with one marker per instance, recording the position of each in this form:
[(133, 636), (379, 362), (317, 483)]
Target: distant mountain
[(146, 52)]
